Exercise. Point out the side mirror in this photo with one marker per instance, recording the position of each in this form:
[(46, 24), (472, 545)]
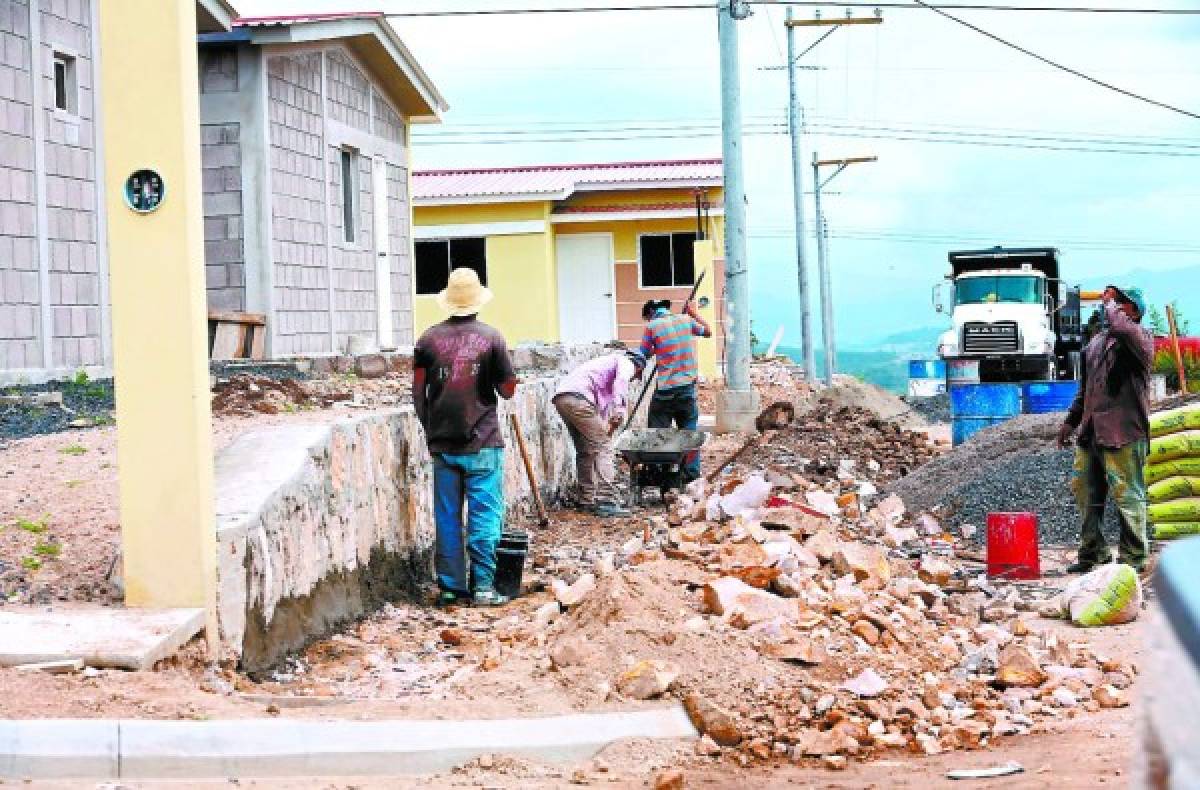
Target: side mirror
[(939, 303)]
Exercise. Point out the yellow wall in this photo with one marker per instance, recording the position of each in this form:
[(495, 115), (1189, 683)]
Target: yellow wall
[(160, 335), (520, 271)]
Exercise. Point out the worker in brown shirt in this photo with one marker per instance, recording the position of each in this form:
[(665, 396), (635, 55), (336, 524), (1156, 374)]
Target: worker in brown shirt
[(1111, 413)]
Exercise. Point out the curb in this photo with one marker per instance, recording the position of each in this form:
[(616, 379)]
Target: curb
[(260, 748)]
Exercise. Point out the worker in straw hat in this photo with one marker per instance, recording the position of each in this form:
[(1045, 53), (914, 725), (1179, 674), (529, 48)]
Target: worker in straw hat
[(460, 367), (1111, 414), (592, 400)]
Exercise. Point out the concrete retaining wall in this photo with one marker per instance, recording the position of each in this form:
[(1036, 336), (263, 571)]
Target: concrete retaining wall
[(317, 525)]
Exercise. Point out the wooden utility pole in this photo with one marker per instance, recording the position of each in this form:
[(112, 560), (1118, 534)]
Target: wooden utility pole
[(1183, 387)]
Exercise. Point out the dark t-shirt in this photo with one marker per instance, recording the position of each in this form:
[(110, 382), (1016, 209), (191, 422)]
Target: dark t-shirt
[(465, 361)]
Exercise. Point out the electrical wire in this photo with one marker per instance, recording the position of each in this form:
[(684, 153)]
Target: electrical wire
[(693, 6), (1074, 72)]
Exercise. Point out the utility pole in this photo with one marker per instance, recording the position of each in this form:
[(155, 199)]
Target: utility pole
[(737, 404), (827, 334), (822, 231), (810, 361)]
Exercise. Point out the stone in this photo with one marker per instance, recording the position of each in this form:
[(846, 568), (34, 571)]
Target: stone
[(1117, 680), (571, 595), (801, 651), (712, 720), (371, 366), (707, 747), (935, 570), (759, 578), (892, 509), (669, 780), (546, 614), (866, 631), (1016, 666), (1064, 698), (895, 537), (455, 637), (868, 564), (571, 652), (788, 585), (866, 684), (799, 522), (822, 743), (834, 762), (1110, 697), (744, 605), (823, 544), (647, 679)]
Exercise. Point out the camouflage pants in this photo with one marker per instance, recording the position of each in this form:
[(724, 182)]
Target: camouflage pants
[(1098, 473)]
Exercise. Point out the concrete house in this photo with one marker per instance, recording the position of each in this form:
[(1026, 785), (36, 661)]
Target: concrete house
[(306, 178), (573, 251), (306, 152)]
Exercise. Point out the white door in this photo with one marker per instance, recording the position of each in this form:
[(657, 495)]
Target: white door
[(383, 255), (586, 302)]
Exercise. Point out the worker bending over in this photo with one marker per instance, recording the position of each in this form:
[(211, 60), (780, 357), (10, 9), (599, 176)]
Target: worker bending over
[(592, 400), (670, 339), (460, 366), (1112, 414)]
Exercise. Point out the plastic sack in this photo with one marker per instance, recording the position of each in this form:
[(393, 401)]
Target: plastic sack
[(1174, 488), (1185, 444), (1185, 467), (1176, 529), (1178, 510), (1185, 418), (1109, 595)]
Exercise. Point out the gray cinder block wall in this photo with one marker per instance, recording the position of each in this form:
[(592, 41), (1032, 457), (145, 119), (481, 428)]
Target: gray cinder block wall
[(53, 268)]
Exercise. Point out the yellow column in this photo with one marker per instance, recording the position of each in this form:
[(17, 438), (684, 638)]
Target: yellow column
[(706, 350), (150, 113)]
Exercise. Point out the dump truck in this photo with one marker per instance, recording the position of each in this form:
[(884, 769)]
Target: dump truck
[(1012, 316)]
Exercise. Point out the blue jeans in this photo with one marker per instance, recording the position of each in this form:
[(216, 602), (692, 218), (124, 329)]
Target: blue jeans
[(477, 479), (677, 407)]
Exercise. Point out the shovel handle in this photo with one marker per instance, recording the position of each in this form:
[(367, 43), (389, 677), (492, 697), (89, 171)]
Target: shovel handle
[(543, 520)]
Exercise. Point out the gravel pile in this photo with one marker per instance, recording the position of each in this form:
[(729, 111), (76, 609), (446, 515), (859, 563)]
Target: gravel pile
[(1014, 466), (935, 409)]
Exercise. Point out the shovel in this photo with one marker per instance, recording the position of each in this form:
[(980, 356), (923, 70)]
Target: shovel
[(533, 485)]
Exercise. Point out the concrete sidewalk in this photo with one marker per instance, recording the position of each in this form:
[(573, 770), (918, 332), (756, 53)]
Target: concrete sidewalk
[(258, 748)]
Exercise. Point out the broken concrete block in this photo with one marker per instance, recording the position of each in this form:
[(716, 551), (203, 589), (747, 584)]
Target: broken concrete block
[(669, 780), (1110, 697), (866, 684), (744, 605), (571, 595), (866, 631), (546, 614), (868, 564), (1064, 698), (891, 509), (935, 570), (823, 544), (647, 679), (895, 537), (371, 366), (712, 720), (823, 502), (1016, 666)]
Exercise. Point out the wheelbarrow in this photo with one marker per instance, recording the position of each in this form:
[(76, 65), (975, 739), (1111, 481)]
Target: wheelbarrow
[(656, 457)]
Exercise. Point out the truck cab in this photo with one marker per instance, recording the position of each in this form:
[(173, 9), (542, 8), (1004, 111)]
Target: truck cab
[(1010, 314)]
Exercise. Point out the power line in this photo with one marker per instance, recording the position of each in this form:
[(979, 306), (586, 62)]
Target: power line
[(512, 11), (1057, 65)]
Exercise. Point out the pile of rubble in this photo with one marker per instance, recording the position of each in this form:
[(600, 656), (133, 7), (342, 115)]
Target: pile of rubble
[(246, 394), (795, 631)]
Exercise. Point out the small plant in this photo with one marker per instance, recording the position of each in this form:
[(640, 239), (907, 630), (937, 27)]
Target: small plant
[(74, 483), (31, 563), (73, 449), (34, 527), (46, 548), (81, 379)]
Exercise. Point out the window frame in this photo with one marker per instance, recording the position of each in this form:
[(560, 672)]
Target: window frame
[(670, 235), (449, 242), (349, 164), (70, 82)]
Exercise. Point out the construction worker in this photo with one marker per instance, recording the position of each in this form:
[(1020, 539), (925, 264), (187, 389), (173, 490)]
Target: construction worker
[(592, 400), (670, 339), (1112, 416), (460, 366)]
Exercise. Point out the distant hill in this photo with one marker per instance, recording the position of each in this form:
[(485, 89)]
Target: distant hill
[(921, 341), (885, 369)]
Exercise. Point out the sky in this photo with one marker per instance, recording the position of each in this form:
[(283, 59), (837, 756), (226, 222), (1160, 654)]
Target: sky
[(541, 88)]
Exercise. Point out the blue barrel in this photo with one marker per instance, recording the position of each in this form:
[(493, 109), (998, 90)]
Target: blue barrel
[(926, 377), (974, 407), (1048, 396)]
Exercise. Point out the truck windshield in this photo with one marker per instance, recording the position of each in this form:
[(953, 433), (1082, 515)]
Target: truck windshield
[(990, 290)]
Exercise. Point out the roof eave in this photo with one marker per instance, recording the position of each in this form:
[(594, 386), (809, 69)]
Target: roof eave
[(505, 197), (214, 16)]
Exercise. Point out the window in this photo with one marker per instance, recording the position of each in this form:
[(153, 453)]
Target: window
[(436, 259), (668, 260), (350, 195), (989, 290), (66, 86)]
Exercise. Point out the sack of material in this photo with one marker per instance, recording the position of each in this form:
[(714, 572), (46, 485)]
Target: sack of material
[(1185, 418), (1185, 444), (1109, 595), (1174, 488), (1176, 529), (1184, 467), (1177, 510)]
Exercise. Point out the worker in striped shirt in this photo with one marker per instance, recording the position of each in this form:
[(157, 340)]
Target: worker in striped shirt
[(670, 338)]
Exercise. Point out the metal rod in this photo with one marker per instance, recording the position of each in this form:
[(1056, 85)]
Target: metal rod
[(806, 344), (737, 288), (823, 274), (853, 20)]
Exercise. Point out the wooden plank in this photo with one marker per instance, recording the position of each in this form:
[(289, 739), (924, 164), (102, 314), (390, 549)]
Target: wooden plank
[(258, 342), (229, 340), (257, 319)]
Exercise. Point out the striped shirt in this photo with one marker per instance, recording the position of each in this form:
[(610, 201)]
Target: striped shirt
[(668, 338)]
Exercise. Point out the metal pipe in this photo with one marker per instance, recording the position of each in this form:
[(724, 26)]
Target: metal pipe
[(823, 274), (810, 363)]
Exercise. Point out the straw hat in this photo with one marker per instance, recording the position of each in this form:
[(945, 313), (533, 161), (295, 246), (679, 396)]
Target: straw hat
[(464, 295)]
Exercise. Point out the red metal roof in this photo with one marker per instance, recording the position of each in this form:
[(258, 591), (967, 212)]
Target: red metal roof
[(297, 19), (557, 182), (623, 208)]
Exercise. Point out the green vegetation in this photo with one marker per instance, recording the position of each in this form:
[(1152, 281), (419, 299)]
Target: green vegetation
[(46, 548), (83, 386), (1157, 321), (35, 527), (73, 449), (31, 563)]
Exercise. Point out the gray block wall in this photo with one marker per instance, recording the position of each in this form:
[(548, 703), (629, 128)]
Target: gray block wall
[(400, 228), (224, 255), (51, 263), (353, 264), (300, 255)]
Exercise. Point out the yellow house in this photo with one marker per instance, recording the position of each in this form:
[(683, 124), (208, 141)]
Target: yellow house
[(571, 252)]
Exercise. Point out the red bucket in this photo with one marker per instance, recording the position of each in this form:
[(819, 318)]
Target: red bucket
[(1012, 546)]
